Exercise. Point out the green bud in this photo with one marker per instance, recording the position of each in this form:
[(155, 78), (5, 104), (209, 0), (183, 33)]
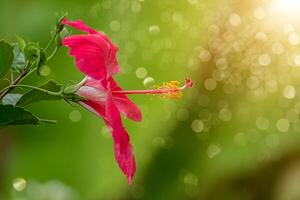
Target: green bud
[(71, 89)]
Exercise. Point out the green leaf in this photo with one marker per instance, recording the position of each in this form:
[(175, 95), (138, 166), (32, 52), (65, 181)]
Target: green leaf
[(71, 89), (19, 62), (10, 115), (11, 99), (34, 55), (31, 51), (6, 58), (34, 95), (21, 42)]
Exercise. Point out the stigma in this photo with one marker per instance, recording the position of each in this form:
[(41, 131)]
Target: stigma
[(169, 90)]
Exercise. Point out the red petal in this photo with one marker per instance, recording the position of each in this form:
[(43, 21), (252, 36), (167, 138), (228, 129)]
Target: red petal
[(94, 56), (123, 149), (124, 104), (79, 25)]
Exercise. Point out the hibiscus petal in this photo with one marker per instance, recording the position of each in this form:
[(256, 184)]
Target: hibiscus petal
[(124, 104), (95, 108), (78, 24), (122, 146), (94, 56), (95, 83)]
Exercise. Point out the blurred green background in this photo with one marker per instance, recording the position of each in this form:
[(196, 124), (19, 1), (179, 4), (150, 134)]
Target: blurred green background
[(235, 135)]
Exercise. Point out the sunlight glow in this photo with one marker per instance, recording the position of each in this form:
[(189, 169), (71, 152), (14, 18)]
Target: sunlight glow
[(287, 7)]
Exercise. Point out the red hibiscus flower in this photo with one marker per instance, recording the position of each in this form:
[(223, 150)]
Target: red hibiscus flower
[(95, 56)]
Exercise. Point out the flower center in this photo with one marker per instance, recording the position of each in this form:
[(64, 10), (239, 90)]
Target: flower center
[(170, 90)]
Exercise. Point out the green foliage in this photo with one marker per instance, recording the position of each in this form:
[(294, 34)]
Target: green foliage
[(35, 95), (16, 116), (19, 62), (6, 58), (34, 55), (11, 99), (21, 42)]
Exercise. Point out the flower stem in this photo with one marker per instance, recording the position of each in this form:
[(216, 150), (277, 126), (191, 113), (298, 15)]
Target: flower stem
[(53, 53), (34, 88), (52, 40)]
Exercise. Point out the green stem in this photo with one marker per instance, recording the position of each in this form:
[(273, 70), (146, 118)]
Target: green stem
[(22, 76), (6, 90), (53, 53), (34, 88), (52, 40)]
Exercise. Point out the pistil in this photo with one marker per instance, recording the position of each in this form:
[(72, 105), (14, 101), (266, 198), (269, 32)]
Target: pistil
[(170, 89)]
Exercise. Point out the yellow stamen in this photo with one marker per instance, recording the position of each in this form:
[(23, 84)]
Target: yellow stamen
[(170, 90)]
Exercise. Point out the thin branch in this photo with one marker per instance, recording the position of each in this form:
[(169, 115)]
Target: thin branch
[(6, 90), (34, 88), (53, 53)]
